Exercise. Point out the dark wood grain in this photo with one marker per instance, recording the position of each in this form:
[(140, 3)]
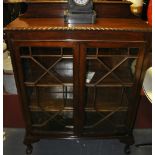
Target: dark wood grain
[(103, 24), (64, 104), (56, 9)]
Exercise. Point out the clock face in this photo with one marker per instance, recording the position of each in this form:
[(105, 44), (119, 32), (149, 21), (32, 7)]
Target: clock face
[(81, 2)]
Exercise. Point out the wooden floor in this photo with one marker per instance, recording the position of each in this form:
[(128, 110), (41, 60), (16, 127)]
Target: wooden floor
[(14, 138)]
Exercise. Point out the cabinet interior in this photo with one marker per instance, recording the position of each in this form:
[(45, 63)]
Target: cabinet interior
[(48, 81)]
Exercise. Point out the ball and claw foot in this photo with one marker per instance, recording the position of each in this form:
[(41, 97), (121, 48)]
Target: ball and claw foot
[(29, 149), (127, 149)]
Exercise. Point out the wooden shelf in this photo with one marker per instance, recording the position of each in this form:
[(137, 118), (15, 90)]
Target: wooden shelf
[(106, 99), (32, 84), (57, 98), (51, 106), (101, 108)]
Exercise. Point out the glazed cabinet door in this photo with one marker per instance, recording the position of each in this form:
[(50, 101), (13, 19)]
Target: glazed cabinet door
[(48, 85), (109, 78)]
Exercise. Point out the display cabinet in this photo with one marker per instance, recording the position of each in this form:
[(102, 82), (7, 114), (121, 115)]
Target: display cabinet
[(82, 80)]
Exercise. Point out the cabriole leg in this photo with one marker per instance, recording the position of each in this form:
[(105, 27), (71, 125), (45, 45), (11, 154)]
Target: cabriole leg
[(29, 149), (127, 149), (128, 141)]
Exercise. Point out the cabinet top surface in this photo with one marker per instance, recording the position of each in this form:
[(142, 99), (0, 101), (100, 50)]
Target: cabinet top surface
[(103, 24), (63, 1)]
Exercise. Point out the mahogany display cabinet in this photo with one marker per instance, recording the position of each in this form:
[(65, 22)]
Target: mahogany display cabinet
[(79, 80)]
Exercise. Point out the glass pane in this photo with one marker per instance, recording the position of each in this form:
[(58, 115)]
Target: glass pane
[(111, 70), (44, 65), (48, 78), (105, 123), (45, 51), (55, 122), (110, 77), (106, 98), (112, 51), (50, 98)]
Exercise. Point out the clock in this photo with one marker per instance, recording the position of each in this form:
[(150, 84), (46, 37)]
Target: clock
[(81, 2), (80, 11)]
